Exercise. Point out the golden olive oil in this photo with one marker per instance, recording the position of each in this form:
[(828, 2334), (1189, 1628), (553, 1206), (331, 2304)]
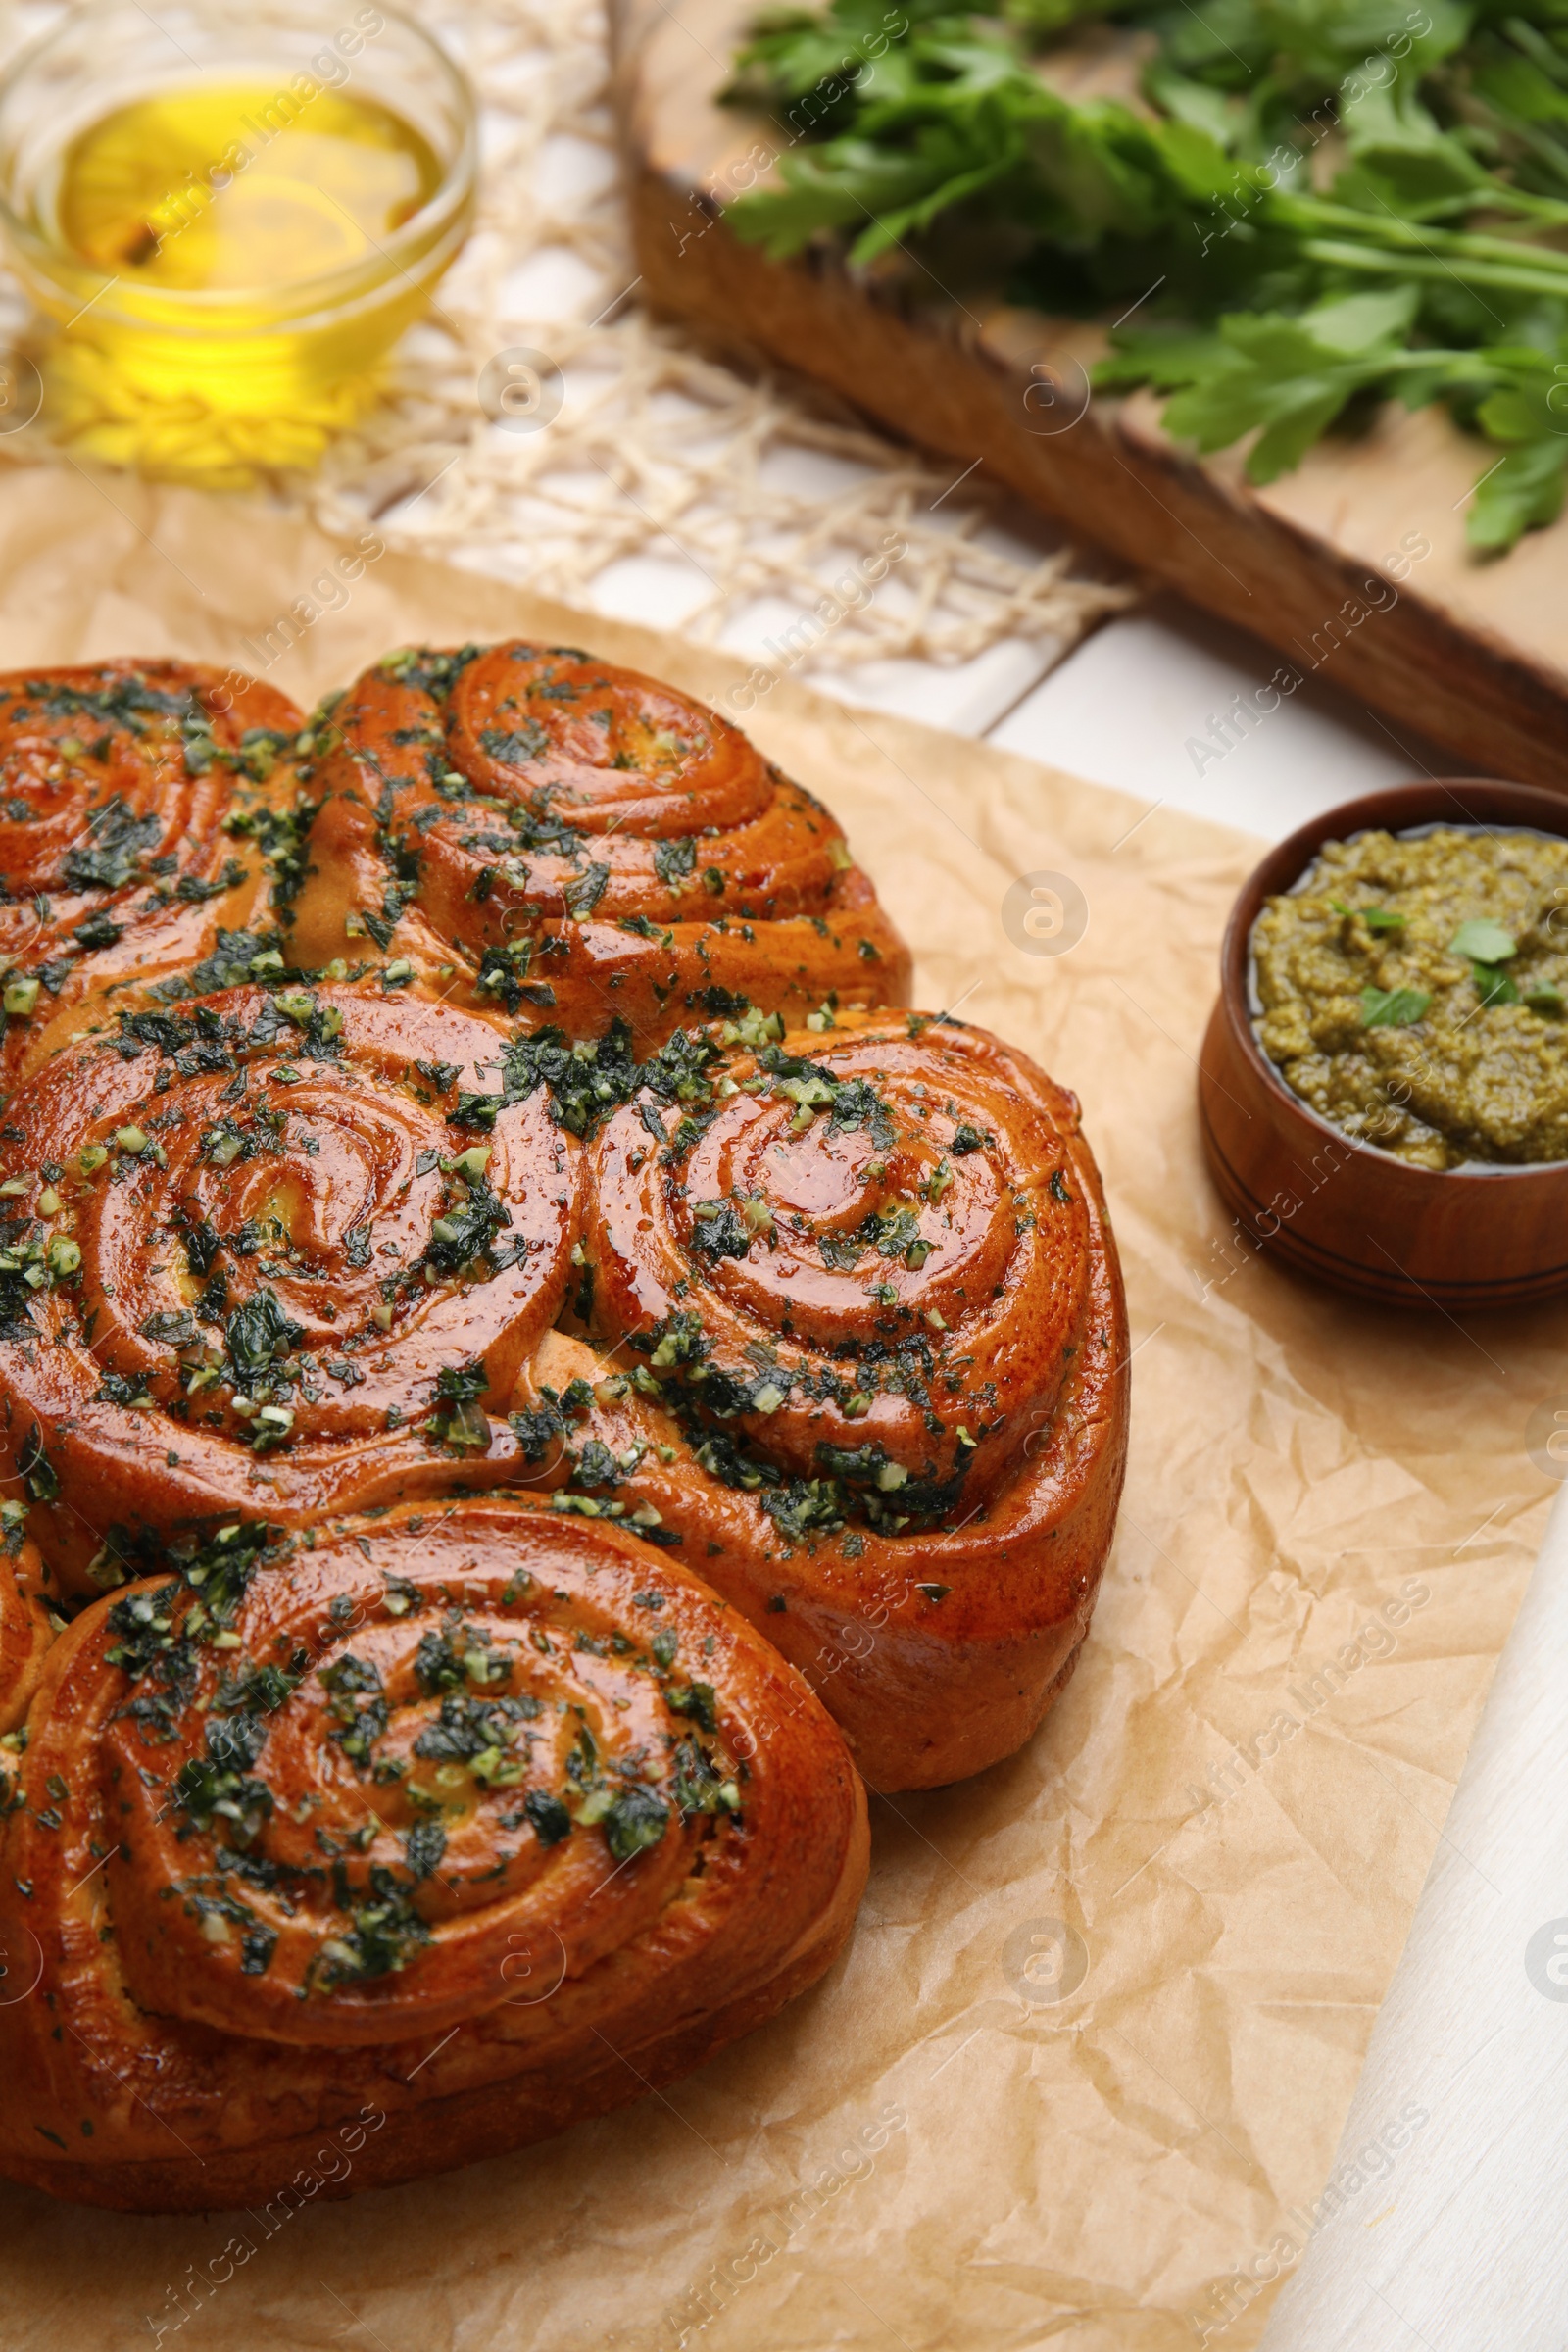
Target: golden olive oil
[(210, 208), (197, 189)]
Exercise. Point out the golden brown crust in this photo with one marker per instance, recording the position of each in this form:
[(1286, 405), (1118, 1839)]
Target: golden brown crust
[(882, 1209), (25, 1627), (137, 809), (565, 841), (482, 1820), (780, 1396), (264, 1253), (794, 1367), (858, 1336)]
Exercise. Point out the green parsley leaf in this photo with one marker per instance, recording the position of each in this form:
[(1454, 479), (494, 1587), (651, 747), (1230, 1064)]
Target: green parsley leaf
[(1394, 1007), (1494, 986), (1482, 941), (1274, 301), (1376, 919)]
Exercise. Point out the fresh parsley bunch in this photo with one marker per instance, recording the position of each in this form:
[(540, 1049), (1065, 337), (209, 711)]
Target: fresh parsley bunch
[(1315, 205)]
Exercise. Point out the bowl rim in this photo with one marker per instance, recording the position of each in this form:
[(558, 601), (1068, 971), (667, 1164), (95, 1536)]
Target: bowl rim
[(1392, 809), (187, 308)]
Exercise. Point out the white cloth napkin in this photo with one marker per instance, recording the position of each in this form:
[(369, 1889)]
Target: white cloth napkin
[(1445, 2220)]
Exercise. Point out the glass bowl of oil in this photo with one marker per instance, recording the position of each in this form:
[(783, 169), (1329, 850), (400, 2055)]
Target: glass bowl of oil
[(225, 217)]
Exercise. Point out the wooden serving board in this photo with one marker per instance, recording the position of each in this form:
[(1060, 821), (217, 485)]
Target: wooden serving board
[(1325, 565)]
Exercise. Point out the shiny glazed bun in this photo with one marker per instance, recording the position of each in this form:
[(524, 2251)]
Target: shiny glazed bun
[(251, 1267), (570, 841), (482, 1822), (522, 1376), (147, 827), (858, 1343)]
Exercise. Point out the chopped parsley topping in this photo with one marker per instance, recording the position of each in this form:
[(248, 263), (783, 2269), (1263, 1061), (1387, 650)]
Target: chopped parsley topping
[(588, 1080), (256, 1335), (515, 746), (457, 1419), (548, 1817), (116, 843), (463, 1233), (382, 1936), (636, 1820)]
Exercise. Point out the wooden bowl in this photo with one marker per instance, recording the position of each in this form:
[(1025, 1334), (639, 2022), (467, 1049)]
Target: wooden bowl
[(1342, 1212)]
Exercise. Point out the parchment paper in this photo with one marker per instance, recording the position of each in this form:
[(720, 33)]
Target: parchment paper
[(1081, 2073)]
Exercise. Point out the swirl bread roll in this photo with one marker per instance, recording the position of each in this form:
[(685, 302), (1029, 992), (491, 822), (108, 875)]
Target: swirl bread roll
[(466, 1826), (249, 1268), (147, 827), (580, 842), (858, 1348)]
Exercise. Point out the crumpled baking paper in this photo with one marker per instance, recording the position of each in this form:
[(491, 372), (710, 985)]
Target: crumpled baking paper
[(1081, 2073)]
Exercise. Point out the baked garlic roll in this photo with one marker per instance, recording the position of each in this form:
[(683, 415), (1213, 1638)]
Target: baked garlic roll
[(148, 829), (860, 1347), (568, 842), (248, 1264), (465, 1827)]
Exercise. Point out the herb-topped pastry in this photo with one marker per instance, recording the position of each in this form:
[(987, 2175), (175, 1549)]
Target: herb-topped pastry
[(518, 1375), (474, 1825), (148, 829), (533, 830), (248, 1263), (857, 1347)]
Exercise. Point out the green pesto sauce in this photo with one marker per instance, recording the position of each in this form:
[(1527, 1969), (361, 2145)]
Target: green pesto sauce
[(1397, 1031)]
